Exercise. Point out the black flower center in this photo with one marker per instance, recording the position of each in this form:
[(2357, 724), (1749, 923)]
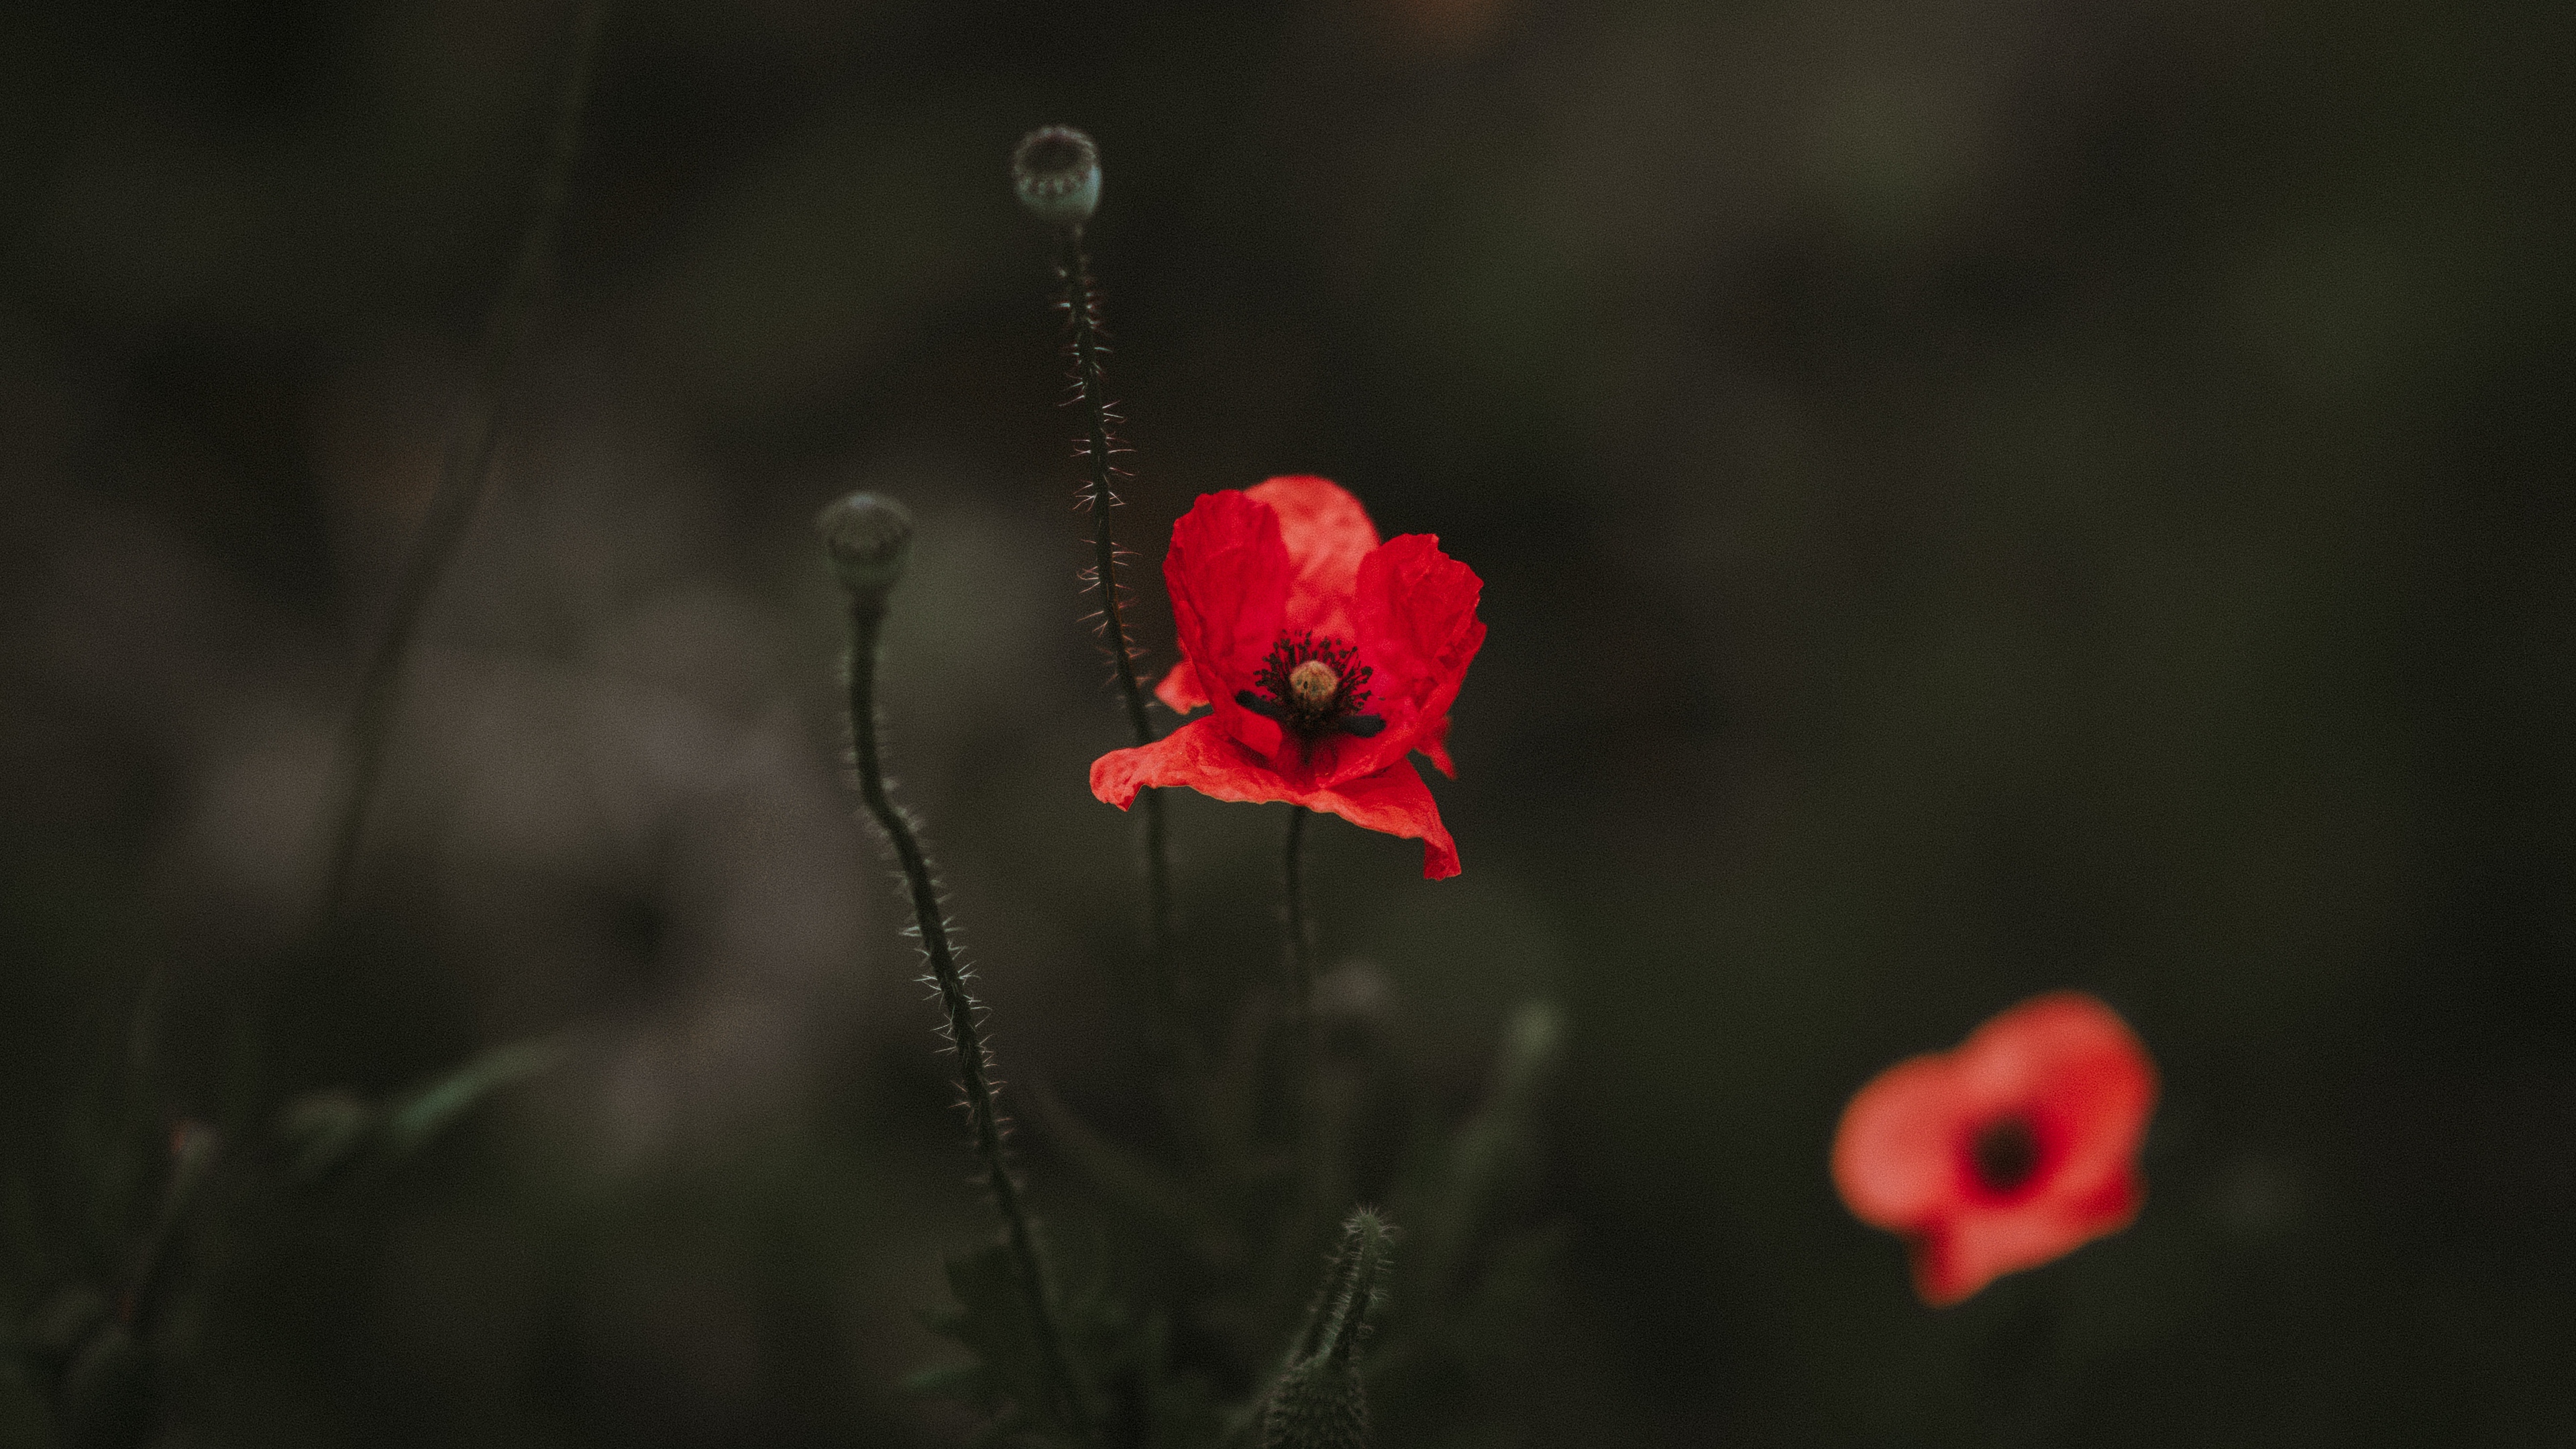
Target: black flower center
[(2005, 1153), (1312, 688)]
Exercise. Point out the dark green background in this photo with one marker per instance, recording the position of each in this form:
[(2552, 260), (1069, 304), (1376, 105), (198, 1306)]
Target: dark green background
[(1974, 497)]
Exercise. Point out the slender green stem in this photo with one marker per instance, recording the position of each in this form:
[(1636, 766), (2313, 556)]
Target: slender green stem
[(1082, 309), (867, 620), (1308, 1128), (468, 463), (1301, 941)]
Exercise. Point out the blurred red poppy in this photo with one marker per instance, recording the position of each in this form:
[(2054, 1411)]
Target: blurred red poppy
[(1327, 654), (2016, 1148)]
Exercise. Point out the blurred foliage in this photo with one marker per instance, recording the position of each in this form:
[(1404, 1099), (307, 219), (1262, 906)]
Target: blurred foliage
[(1974, 498), (106, 1292)]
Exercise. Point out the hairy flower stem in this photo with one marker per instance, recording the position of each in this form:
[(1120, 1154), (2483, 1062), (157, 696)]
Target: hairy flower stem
[(471, 442), (867, 622), (1082, 310)]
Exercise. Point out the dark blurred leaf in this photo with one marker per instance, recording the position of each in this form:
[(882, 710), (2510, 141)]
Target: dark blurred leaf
[(1122, 1357), (66, 1322), (413, 1121), (1130, 1180), (107, 1392), (324, 1132), (992, 1320), (328, 1132), (963, 1382), (1450, 1200)]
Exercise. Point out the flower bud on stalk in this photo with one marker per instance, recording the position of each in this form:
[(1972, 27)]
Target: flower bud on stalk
[(1319, 1401), (1056, 170), (1319, 1404), (870, 539)]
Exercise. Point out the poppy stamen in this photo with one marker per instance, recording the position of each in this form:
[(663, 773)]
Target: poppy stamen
[(1313, 688)]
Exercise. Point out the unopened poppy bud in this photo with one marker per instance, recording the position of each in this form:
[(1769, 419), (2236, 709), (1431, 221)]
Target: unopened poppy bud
[(870, 537), (1319, 1404), (1056, 170)]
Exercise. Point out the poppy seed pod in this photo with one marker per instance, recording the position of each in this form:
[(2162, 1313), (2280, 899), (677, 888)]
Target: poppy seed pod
[(870, 537), (1056, 170)]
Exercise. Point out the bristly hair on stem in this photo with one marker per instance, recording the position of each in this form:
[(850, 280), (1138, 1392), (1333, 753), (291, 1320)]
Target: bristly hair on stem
[(1056, 171), (870, 539), (1319, 1400), (474, 435)]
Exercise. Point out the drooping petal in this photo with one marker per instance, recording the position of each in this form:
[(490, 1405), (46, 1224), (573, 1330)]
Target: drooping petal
[(1199, 755), (1415, 612), (1394, 800), (1434, 746), (1956, 1257), (1203, 756), (1228, 573), (1327, 533), (1180, 691)]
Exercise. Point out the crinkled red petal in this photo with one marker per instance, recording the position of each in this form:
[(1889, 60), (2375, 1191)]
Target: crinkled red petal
[(1180, 691), (1417, 630), (1228, 573), (1434, 746), (1327, 533), (1202, 756)]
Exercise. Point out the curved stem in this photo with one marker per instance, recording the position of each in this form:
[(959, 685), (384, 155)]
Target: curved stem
[(461, 480), (867, 620), (1082, 310)]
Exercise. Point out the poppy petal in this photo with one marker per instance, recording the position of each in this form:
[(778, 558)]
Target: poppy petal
[(1203, 756), (1418, 630), (1228, 573), (2080, 1071), (1952, 1262), (1885, 1163), (1180, 691), (1327, 533), (2062, 1067), (1395, 800), (1434, 746)]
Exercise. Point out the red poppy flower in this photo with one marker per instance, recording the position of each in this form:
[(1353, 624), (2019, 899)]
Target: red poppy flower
[(1327, 654), (2017, 1148)]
